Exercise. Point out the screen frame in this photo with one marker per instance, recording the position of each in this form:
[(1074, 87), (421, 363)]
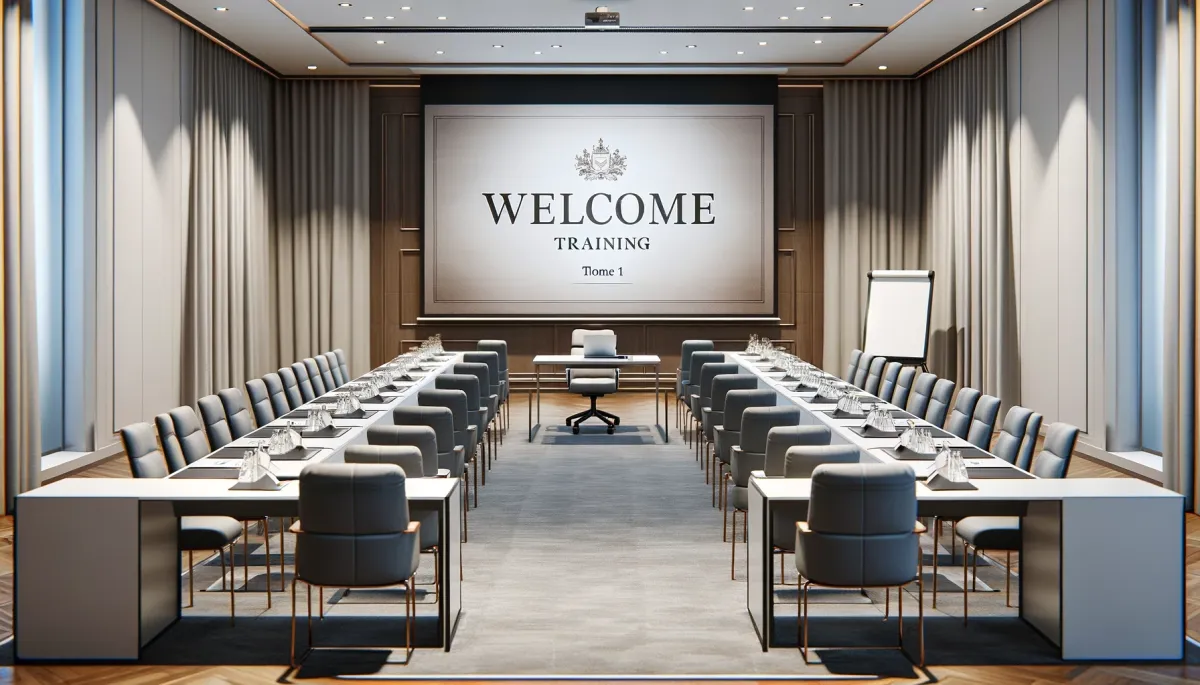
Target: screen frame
[(603, 90)]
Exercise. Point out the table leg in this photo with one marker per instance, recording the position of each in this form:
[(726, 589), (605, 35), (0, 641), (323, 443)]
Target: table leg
[(667, 432)]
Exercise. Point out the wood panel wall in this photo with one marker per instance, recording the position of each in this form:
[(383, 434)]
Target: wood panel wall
[(397, 195)]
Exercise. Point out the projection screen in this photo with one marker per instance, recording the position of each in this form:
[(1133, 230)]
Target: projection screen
[(566, 210)]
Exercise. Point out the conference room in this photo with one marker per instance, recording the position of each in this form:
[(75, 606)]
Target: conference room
[(657, 340)]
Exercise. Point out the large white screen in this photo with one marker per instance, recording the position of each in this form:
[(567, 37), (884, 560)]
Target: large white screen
[(681, 210)]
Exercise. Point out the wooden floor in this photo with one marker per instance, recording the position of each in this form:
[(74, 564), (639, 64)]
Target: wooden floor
[(1081, 467)]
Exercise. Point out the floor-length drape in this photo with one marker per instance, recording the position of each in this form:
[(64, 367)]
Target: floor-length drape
[(322, 230), (228, 326), (20, 400), (872, 199), (966, 211)]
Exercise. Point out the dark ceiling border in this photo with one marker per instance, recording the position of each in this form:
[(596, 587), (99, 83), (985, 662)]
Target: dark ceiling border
[(578, 29), (200, 27), (967, 45)]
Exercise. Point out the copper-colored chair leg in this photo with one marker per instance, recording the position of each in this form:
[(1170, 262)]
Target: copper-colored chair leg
[(733, 546), (937, 536), (1007, 578), (245, 554), (267, 543), (321, 600), (192, 580), (964, 582), (232, 589)]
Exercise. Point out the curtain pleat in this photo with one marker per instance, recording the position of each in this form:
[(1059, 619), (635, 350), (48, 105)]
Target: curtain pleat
[(322, 228)]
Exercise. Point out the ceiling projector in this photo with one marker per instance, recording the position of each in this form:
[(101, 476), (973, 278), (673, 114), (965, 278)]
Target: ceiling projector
[(602, 19)]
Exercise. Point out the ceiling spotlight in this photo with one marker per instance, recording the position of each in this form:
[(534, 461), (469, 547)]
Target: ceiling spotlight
[(978, 9), (345, 4), (741, 52), (221, 9), (691, 46), (783, 18), (883, 67), (405, 9), (389, 18), (441, 19), (312, 67), (497, 46), (379, 42), (762, 42), (537, 52), (748, 8), (799, 9), (827, 18), (817, 41), (369, 18), (556, 46), (856, 4), (441, 52), (662, 52)]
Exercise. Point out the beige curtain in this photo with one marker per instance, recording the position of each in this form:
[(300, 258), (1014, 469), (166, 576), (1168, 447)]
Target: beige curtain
[(228, 325), (873, 204), (322, 230), (966, 213), (21, 427)]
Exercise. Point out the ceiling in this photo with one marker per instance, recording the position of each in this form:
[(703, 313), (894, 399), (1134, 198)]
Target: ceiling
[(819, 38)]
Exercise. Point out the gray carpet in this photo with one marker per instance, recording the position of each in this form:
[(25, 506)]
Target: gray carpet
[(598, 555)]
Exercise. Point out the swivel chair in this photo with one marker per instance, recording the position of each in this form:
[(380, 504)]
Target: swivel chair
[(592, 383)]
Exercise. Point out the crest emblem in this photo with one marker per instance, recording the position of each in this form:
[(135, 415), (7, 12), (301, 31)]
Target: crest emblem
[(600, 163)]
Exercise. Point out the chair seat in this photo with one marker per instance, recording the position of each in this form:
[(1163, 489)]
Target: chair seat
[(593, 386), (991, 532), (739, 498), (207, 532)]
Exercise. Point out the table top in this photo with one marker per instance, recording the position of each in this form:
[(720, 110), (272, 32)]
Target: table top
[(580, 360)]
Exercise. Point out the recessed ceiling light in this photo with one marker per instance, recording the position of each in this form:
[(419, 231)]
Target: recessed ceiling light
[(441, 52), (817, 41), (783, 18), (662, 52), (312, 67), (379, 42), (497, 46), (405, 9), (441, 19), (799, 9), (537, 52), (883, 67), (221, 9), (369, 18), (827, 18), (762, 42), (345, 4), (691, 46), (978, 9), (389, 18), (556, 46), (741, 52), (748, 8), (856, 4)]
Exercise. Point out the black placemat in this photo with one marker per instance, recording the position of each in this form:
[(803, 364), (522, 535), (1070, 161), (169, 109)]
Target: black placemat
[(213, 473), (897, 414), (997, 472), (817, 399), (360, 414), (324, 433), (868, 432), (909, 455), (298, 454)]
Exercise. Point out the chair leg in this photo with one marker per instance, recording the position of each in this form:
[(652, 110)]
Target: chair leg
[(974, 569), (245, 554), (724, 521), (733, 546), (964, 582), (804, 620), (267, 544), (899, 612), (192, 580), (464, 515), (1007, 578), (292, 660), (937, 530), (232, 589), (221, 553)]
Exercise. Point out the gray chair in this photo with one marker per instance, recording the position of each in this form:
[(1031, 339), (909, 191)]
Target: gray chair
[(750, 454), (874, 375), (681, 374), (1003, 533), (887, 386), (341, 359), (326, 372), (236, 413), (422, 438), (983, 421), (307, 391), (216, 426), (939, 402), (314, 376), (279, 397), (698, 360), (291, 387), (852, 367), (593, 383), (500, 347), (172, 450), (476, 415), (483, 373), (192, 440), (355, 532), (703, 400), (959, 420), (335, 369), (780, 441), (799, 461), (465, 432), (918, 397), (260, 401), (714, 415), (451, 457), (864, 368), (1018, 435), (494, 389), (862, 532), (196, 533), (904, 383), (728, 433)]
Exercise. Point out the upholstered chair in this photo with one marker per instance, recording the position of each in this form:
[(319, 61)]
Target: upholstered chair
[(307, 391), (918, 397), (451, 456), (750, 454), (483, 374), (260, 401), (341, 359), (864, 368), (1018, 435), (874, 375), (887, 386), (236, 413), (500, 347), (681, 374), (698, 360), (279, 397), (728, 433), (335, 369), (983, 421), (959, 420), (476, 416), (904, 383), (714, 416), (703, 400), (326, 373), (465, 432), (799, 461), (939, 402), (216, 426), (291, 387), (314, 376), (852, 367)]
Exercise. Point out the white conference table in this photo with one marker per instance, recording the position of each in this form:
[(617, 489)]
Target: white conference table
[(579, 361), (97, 562), (1101, 575)]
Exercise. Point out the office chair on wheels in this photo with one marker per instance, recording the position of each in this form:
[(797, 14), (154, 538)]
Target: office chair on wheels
[(593, 384)]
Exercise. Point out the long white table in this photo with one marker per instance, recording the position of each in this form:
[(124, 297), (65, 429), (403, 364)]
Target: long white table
[(97, 562), (1101, 562), (579, 361)]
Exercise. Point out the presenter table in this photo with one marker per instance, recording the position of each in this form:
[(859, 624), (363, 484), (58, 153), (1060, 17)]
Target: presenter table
[(578, 361), (1101, 571), (128, 591)]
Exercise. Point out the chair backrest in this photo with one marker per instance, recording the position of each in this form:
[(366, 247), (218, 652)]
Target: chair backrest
[(1032, 432), (314, 376), (710, 371), (479, 370), (722, 384), (1055, 457), (335, 369), (260, 401), (699, 359), (406, 457), (578, 334), (191, 435), (145, 459), (172, 450), (983, 421), (738, 401), (918, 397), (216, 427), (861, 518), (1012, 434), (757, 422), (492, 359), (685, 354), (469, 385), (240, 421), (440, 419), (904, 384), (326, 373), (939, 402), (341, 358), (454, 400), (500, 347), (959, 420), (307, 390), (801, 461), (864, 368), (874, 375), (852, 367), (291, 387), (424, 438), (279, 399), (887, 384), (782, 438), (358, 507)]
